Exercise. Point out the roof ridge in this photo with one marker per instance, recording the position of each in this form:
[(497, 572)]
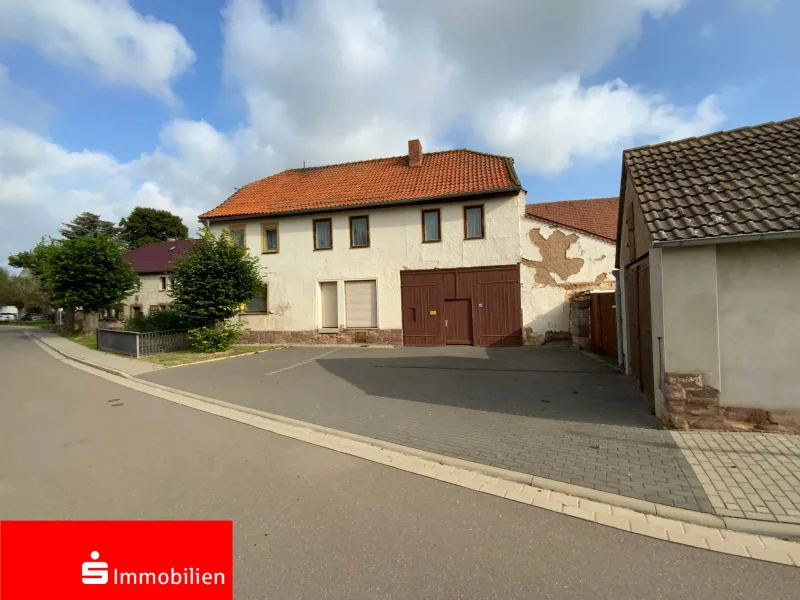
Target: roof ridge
[(712, 134), (378, 159)]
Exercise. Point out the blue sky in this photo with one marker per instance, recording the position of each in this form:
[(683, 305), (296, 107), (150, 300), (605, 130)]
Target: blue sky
[(106, 105)]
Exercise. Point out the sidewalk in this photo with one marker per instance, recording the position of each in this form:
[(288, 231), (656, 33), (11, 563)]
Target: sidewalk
[(102, 360), (746, 475)]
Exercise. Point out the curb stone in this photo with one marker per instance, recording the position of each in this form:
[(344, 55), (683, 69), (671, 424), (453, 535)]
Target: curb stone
[(756, 539)]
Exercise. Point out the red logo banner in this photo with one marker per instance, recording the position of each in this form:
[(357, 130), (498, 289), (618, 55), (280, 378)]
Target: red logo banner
[(116, 560)]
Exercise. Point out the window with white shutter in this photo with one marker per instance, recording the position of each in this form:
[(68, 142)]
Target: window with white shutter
[(361, 304)]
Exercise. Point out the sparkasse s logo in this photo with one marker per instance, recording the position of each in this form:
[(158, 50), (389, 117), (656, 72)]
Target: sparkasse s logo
[(95, 573), (117, 560)]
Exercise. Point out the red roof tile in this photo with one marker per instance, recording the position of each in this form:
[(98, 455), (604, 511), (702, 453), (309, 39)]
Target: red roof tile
[(596, 217), (155, 258), (447, 173)]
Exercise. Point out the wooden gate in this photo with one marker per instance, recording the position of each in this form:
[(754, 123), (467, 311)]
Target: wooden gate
[(488, 308), (640, 334), (603, 321)]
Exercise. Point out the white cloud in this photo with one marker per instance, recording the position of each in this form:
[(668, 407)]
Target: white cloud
[(335, 81), (549, 128), (108, 36)]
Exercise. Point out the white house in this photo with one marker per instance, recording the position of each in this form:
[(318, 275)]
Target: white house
[(567, 247), (709, 250), (152, 263), (415, 250)]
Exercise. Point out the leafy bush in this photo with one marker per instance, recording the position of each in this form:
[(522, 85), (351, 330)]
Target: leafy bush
[(163, 320), (214, 339), (214, 278)]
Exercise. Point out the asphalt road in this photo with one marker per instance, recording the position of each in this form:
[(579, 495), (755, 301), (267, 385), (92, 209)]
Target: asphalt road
[(312, 523)]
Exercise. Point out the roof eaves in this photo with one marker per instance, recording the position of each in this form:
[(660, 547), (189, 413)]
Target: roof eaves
[(379, 204), (728, 239)]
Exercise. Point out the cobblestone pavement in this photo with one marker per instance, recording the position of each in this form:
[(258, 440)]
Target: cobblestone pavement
[(747, 475), (551, 412)]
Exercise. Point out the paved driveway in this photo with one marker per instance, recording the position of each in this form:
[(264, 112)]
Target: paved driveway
[(551, 412)]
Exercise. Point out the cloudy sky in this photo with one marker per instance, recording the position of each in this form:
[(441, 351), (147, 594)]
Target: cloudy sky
[(109, 104)]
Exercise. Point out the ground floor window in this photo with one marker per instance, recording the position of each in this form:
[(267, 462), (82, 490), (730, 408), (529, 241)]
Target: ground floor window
[(153, 308), (361, 304), (258, 303)]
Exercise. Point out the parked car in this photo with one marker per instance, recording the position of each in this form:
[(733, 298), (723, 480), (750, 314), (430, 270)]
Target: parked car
[(32, 317), (8, 316)]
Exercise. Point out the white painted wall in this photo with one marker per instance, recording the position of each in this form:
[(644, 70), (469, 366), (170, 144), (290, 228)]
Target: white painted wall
[(545, 306), (689, 280), (759, 324), (149, 294), (730, 314), (294, 273)]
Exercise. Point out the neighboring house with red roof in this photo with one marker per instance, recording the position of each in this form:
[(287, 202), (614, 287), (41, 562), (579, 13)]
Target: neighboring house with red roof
[(420, 249), (152, 262), (567, 247)]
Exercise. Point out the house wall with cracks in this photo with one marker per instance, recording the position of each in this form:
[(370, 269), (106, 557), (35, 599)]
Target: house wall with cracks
[(557, 263)]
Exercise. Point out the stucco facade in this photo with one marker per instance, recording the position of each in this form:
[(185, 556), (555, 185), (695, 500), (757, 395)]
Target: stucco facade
[(730, 315), (151, 293), (556, 264), (294, 273)]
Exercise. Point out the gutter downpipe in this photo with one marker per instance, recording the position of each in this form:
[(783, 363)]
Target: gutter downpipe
[(618, 312)]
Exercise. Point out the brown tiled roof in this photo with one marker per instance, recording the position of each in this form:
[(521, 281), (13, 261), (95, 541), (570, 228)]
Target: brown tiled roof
[(155, 258), (743, 181), (597, 217), (383, 180)]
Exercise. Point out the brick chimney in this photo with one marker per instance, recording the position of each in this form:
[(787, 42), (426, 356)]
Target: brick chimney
[(414, 153)]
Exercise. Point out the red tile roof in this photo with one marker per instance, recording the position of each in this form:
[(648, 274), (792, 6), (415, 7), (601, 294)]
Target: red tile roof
[(382, 180), (155, 258), (596, 217)]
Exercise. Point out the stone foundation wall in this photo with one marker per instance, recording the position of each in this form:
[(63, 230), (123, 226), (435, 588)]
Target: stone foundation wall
[(689, 404), (382, 337)]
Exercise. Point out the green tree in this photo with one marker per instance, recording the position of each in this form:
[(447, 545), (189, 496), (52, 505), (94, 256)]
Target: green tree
[(148, 225), (90, 273), (213, 279), (20, 291), (35, 262), (88, 225)]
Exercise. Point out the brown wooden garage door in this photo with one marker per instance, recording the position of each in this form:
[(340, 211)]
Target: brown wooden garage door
[(479, 306)]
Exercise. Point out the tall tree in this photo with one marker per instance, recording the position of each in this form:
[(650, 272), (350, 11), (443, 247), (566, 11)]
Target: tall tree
[(90, 273), (20, 291), (88, 225), (214, 278), (147, 225), (35, 262)]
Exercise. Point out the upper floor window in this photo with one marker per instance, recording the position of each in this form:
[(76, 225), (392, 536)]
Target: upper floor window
[(473, 222), (162, 283), (431, 226), (237, 235), (269, 238), (359, 232), (323, 234)]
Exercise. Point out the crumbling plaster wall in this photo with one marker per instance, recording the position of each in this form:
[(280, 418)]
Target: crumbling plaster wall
[(556, 264)]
